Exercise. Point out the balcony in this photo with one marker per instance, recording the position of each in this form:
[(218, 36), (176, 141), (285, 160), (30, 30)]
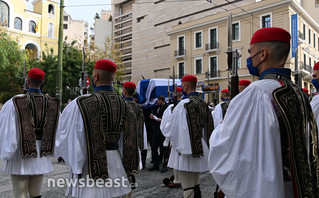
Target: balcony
[(180, 53), (306, 68), (301, 35), (214, 74), (211, 47), (122, 18)]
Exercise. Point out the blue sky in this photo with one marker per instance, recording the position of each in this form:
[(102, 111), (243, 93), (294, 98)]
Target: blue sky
[(86, 13)]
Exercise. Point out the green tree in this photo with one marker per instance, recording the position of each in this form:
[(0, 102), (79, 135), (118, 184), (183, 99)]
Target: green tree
[(11, 66), (72, 67), (110, 51)]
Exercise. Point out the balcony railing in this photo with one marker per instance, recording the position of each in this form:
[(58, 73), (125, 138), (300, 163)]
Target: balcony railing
[(301, 35), (211, 46), (307, 68), (214, 74), (179, 53), (180, 76)]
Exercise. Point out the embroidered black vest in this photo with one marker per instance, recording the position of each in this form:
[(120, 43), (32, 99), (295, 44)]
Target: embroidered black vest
[(140, 123), (38, 116), (199, 117), (105, 116), (296, 119)]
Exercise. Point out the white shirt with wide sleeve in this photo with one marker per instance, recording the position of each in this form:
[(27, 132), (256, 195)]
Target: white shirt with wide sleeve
[(245, 150), (165, 118), (315, 108), (71, 145), (10, 147), (175, 128), (218, 114)]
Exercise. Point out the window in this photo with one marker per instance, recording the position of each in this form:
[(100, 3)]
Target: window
[(314, 40), (50, 30), (32, 27), (198, 66), (198, 40), (239, 58), (65, 26), (266, 21), (213, 70), (4, 14), (310, 61), (51, 9), (318, 43), (181, 69), (65, 18), (213, 38), (180, 46), (304, 31), (236, 31), (305, 59), (309, 36), (17, 23), (181, 43)]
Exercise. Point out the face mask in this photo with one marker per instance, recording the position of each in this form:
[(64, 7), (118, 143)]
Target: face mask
[(223, 99), (315, 83), (253, 70), (123, 95), (184, 93), (94, 85)]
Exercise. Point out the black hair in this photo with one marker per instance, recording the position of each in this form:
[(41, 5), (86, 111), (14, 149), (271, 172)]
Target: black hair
[(162, 98), (35, 82), (129, 90), (280, 50)]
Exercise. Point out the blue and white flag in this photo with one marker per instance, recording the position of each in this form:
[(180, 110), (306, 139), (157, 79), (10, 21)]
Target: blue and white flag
[(149, 90)]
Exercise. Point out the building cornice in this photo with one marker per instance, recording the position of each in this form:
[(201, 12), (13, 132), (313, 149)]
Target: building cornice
[(53, 1), (298, 6), (33, 13), (281, 3)]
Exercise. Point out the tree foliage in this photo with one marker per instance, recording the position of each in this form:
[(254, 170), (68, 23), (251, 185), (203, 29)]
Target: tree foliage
[(11, 67), (72, 66), (110, 51), (12, 60)]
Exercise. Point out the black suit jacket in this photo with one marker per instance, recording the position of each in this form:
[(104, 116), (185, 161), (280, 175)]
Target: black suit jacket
[(158, 111)]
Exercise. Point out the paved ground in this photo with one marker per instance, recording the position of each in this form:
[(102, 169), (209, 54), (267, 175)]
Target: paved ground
[(150, 184)]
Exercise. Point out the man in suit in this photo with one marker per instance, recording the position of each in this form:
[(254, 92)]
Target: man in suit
[(157, 136)]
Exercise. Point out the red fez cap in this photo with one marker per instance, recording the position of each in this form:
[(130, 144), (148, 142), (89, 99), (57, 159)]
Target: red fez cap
[(129, 85), (105, 65), (305, 90), (316, 66), (225, 91), (179, 89), (244, 82), (36, 73), (270, 34), (189, 78)]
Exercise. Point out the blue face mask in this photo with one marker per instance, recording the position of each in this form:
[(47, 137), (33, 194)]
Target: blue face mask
[(253, 70), (315, 83), (223, 99), (94, 85), (183, 92)]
